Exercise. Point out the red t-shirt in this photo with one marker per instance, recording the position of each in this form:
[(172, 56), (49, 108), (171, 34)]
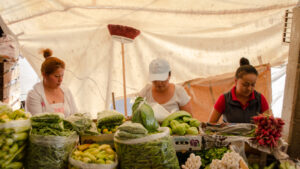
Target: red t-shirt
[(220, 104)]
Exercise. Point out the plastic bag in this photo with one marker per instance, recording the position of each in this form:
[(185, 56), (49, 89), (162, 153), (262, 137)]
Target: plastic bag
[(50, 124), (153, 151), (50, 151), (13, 141), (82, 124), (96, 157), (75, 164), (143, 113), (231, 129), (160, 113), (108, 117)]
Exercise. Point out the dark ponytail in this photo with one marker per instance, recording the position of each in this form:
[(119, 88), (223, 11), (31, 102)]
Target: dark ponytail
[(245, 68)]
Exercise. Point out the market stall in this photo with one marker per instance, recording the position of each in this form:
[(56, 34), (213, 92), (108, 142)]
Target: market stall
[(178, 142)]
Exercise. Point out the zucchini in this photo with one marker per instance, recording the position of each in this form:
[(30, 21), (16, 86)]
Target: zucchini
[(20, 136), (14, 165)]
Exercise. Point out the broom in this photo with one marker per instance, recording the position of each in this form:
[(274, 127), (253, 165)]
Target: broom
[(123, 34)]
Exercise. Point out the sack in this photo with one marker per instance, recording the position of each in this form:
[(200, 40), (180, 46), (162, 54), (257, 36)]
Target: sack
[(152, 151), (82, 124), (75, 164), (13, 141), (50, 151)]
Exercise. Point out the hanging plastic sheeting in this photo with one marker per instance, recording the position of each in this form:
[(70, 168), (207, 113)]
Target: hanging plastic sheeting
[(278, 84), (199, 38)]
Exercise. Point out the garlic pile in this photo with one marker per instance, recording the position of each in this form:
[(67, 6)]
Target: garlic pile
[(193, 162)]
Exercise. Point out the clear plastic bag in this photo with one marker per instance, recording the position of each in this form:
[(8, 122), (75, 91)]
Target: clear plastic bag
[(13, 141), (75, 164), (14, 130), (82, 124), (160, 113), (50, 151), (153, 151)]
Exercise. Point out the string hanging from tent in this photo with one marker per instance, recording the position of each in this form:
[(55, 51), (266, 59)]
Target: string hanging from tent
[(123, 34)]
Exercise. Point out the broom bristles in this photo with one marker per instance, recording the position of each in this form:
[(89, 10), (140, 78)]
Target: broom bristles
[(123, 31)]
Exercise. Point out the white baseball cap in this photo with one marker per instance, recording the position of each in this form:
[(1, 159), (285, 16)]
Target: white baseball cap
[(159, 70)]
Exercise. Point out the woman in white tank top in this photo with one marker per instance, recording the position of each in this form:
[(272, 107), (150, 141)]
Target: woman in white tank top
[(172, 97)]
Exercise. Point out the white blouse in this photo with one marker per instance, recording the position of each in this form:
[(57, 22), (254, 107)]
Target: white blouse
[(180, 98), (36, 102)]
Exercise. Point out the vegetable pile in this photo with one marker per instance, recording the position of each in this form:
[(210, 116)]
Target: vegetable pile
[(256, 166), (49, 124), (268, 130), (207, 156), (108, 121), (7, 114), (230, 160), (14, 129), (81, 123), (142, 113), (182, 123), (152, 151), (286, 165), (130, 130), (50, 143), (92, 155), (236, 129), (193, 162)]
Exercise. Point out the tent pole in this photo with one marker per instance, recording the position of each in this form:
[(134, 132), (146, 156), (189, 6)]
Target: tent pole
[(124, 80)]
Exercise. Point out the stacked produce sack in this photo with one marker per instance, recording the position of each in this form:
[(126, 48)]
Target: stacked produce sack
[(81, 123), (181, 123), (50, 143), (108, 121), (14, 129), (142, 144), (93, 156)]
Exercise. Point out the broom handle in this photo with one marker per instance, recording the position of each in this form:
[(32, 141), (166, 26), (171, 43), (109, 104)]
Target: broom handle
[(113, 100), (124, 80)]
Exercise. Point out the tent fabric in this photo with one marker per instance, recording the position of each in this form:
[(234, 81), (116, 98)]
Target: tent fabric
[(200, 39)]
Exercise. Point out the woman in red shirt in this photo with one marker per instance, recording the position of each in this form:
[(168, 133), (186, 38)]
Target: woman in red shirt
[(242, 102)]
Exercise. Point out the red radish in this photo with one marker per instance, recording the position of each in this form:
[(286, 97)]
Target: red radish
[(268, 130)]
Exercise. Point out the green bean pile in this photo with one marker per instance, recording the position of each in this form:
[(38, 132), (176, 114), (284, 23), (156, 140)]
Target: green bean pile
[(158, 154)]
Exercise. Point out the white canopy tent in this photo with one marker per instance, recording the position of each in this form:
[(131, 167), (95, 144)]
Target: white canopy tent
[(200, 38)]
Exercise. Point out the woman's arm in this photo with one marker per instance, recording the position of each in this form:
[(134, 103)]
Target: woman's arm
[(187, 108), (214, 116), (34, 103)]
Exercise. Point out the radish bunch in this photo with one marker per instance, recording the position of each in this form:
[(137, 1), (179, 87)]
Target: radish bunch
[(268, 130)]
